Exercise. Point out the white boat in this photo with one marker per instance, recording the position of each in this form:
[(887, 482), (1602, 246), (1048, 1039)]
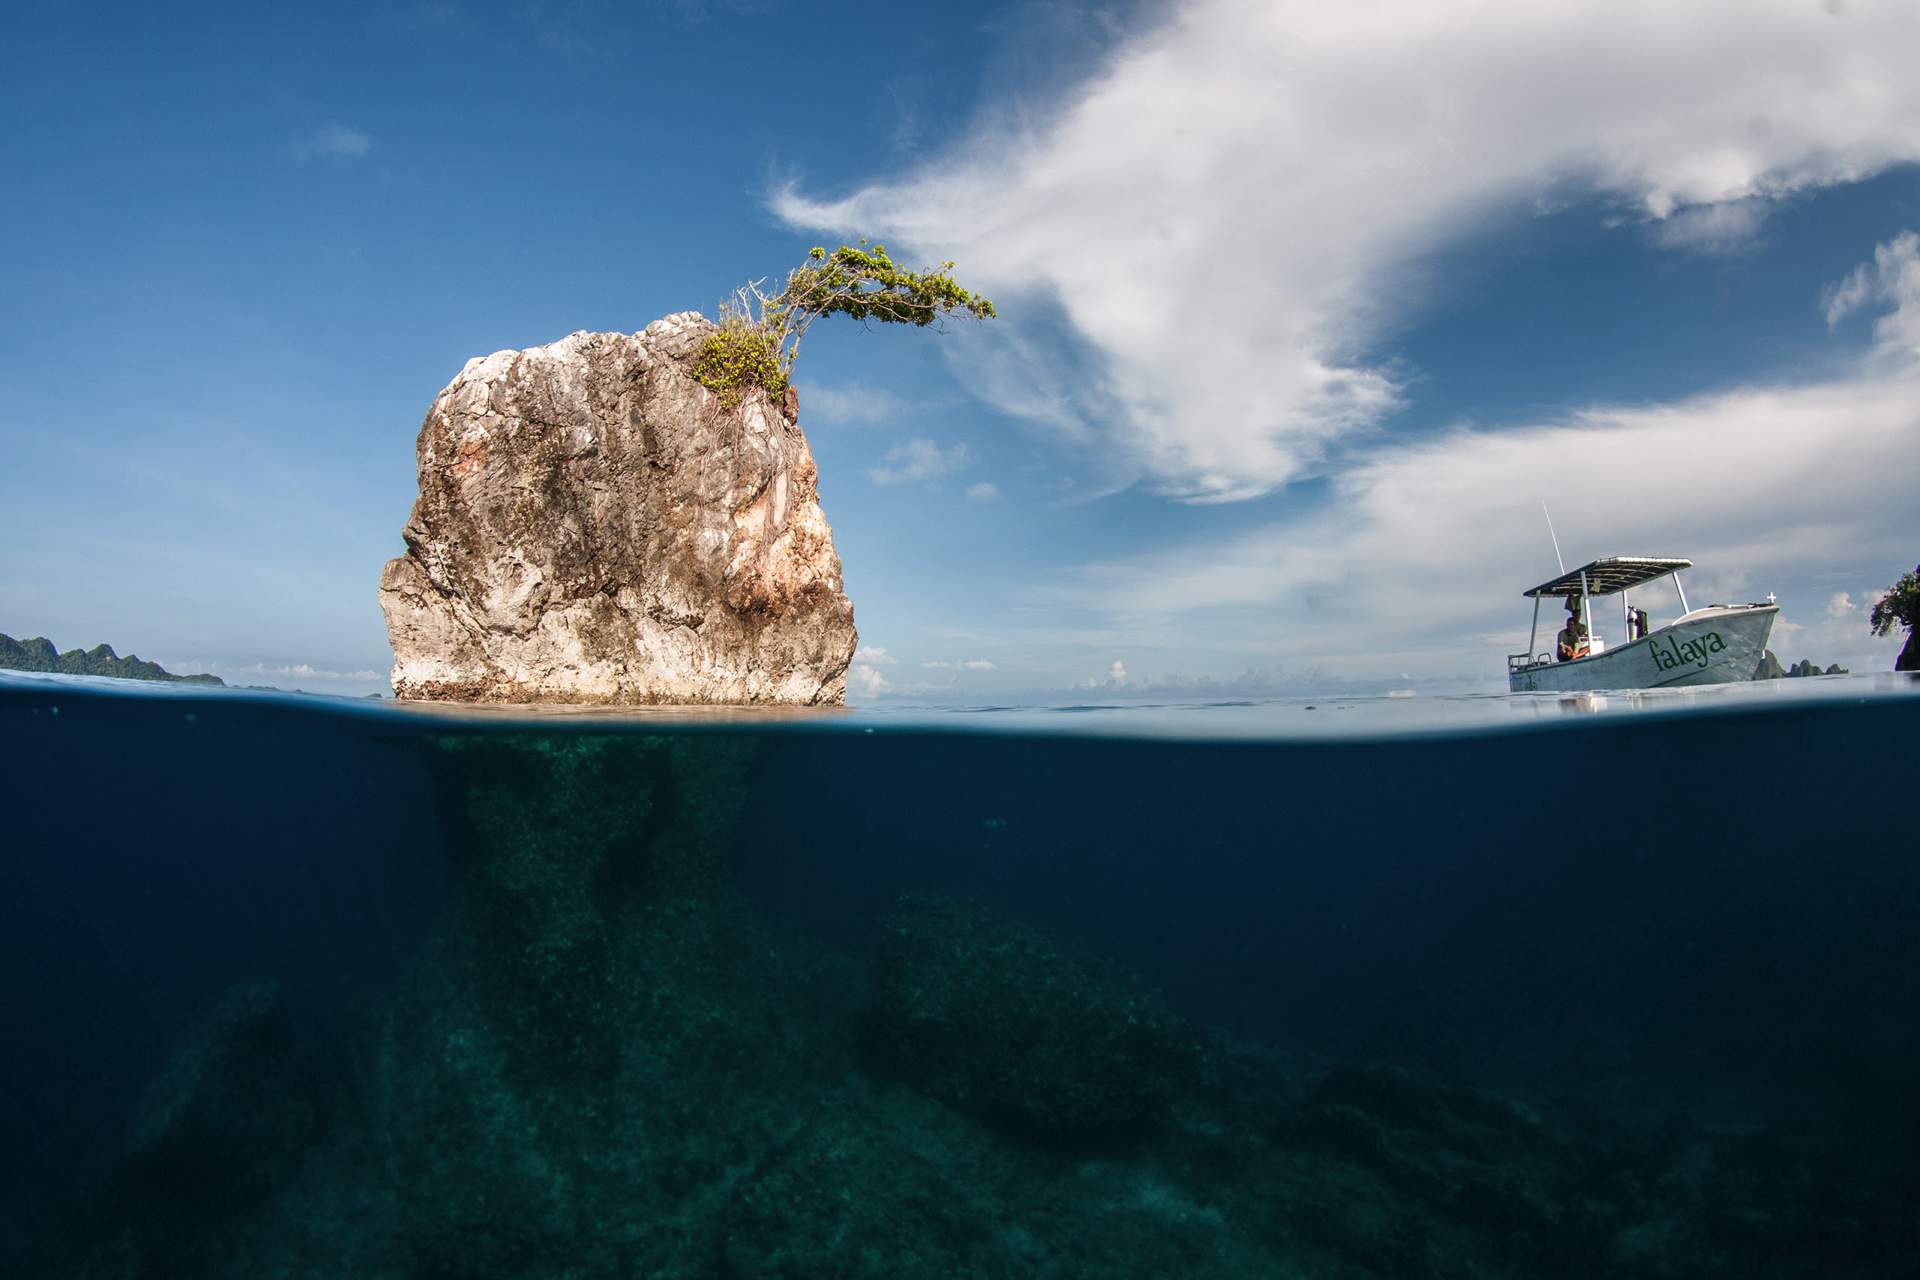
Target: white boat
[(1720, 644)]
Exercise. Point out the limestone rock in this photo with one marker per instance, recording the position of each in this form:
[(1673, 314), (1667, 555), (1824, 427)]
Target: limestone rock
[(595, 526)]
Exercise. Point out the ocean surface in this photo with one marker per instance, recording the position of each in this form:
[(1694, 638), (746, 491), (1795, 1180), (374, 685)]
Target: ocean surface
[(1555, 986)]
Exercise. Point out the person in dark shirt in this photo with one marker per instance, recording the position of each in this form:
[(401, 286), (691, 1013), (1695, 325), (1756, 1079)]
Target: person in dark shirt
[(1573, 637)]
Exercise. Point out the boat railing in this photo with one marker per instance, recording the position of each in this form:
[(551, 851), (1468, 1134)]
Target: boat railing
[(1527, 661)]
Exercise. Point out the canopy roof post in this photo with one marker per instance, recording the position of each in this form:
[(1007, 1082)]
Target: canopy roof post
[(1533, 632), (1586, 607), (1684, 610)]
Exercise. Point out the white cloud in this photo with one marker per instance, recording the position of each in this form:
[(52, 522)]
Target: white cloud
[(916, 460), (1429, 546), (1893, 278), (852, 404), (1232, 214), (1729, 228), (257, 672), (863, 681), (1117, 673), (1841, 605), (965, 664), (334, 141), (985, 491), (874, 655)]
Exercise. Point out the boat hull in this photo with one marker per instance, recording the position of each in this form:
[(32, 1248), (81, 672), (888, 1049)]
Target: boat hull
[(1721, 645)]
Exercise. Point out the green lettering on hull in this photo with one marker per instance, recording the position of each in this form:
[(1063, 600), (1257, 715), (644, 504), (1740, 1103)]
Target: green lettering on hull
[(1697, 652)]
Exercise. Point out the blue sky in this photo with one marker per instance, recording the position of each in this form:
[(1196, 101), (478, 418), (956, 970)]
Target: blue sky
[(1303, 311)]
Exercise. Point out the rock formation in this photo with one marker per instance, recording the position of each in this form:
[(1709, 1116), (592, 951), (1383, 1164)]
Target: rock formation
[(596, 526), (1769, 668)]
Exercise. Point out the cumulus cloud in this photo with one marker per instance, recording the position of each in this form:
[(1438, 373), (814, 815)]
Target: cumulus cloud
[(1231, 214), (1431, 544), (855, 403), (965, 664), (916, 460), (333, 141), (865, 682), (985, 491), (874, 655), (1429, 547), (1892, 278)]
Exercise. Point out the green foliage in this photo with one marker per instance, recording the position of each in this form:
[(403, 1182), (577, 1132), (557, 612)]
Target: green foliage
[(865, 284), (1899, 607), (743, 354), (38, 654), (760, 334)]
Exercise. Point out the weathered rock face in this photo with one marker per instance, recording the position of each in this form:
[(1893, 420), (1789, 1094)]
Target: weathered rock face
[(595, 526)]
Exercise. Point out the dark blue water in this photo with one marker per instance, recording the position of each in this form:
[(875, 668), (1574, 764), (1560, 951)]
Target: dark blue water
[(1499, 987)]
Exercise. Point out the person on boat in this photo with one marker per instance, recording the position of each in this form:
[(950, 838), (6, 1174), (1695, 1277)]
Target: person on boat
[(1573, 638)]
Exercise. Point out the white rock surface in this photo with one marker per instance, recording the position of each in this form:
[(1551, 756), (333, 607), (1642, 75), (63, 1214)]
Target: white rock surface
[(594, 527)]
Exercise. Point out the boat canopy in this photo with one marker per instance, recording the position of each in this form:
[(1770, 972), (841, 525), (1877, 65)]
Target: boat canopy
[(1609, 574)]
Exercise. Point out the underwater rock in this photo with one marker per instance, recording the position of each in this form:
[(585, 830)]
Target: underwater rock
[(557, 839), (226, 1124), (232, 1107), (993, 1017), (1467, 1150), (894, 1192), (595, 526)]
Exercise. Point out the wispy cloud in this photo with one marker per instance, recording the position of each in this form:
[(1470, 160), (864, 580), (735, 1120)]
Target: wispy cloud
[(1893, 279), (1720, 229), (965, 664), (917, 460), (333, 141), (1228, 218), (985, 491)]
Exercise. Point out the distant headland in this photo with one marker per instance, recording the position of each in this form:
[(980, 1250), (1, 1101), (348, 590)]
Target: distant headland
[(38, 654)]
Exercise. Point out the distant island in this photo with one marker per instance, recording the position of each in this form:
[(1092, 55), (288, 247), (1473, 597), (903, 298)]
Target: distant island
[(38, 654), (1770, 669)]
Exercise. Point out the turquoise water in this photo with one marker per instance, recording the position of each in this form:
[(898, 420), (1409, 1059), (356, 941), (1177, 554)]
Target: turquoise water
[(1498, 986)]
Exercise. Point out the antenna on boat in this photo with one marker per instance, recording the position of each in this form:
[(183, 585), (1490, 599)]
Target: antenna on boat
[(1551, 534)]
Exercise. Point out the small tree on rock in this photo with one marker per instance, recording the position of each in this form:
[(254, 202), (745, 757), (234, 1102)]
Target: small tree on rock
[(1901, 607), (759, 333)]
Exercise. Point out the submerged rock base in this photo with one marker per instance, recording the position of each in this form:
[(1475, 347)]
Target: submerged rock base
[(596, 526), (606, 1062)]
